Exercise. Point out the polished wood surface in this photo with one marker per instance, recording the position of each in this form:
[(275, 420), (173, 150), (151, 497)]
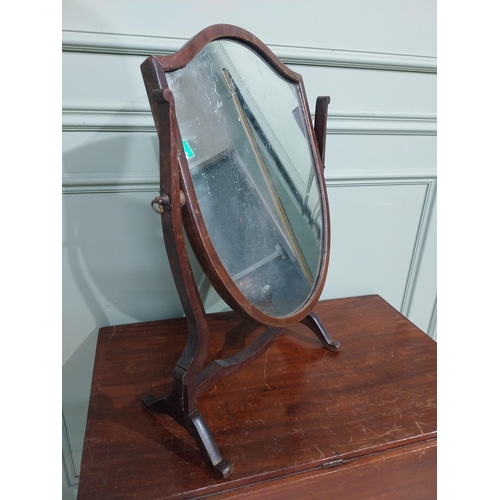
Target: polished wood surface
[(407, 473), (298, 422)]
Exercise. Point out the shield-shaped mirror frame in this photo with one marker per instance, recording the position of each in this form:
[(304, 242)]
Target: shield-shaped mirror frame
[(194, 225)]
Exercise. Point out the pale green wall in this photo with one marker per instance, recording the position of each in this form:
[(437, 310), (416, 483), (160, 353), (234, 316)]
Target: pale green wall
[(377, 61)]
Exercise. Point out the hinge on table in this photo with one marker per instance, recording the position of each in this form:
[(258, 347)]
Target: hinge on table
[(332, 463)]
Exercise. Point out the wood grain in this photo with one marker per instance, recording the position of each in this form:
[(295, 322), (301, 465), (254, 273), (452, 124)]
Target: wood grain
[(293, 413), (407, 473)]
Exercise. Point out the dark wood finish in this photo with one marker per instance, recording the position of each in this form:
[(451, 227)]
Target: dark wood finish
[(314, 323), (373, 477), (220, 31), (181, 402), (179, 209), (320, 123), (298, 422)]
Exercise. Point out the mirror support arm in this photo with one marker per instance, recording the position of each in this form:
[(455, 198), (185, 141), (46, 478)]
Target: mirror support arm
[(172, 198), (181, 403), (320, 122)]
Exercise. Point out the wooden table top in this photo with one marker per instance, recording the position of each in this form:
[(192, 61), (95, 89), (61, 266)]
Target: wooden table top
[(295, 409)]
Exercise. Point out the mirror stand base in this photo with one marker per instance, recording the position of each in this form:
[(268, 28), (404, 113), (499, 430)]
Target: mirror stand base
[(195, 424), (314, 323), (193, 421)]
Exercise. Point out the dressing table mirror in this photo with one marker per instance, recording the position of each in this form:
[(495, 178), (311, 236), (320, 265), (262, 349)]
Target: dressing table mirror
[(241, 174)]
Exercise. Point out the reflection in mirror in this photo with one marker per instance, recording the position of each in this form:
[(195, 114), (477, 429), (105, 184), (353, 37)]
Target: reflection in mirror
[(244, 136)]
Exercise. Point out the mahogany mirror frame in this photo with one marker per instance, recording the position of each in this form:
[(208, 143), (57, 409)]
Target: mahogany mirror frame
[(180, 210)]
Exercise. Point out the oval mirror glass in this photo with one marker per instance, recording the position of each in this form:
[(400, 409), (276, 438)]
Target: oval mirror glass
[(244, 133)]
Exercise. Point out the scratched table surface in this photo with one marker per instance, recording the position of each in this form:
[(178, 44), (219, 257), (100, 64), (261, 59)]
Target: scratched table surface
[(297, 409)]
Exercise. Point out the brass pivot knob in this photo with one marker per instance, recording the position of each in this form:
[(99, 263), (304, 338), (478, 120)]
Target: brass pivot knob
[(158, 202), (163, 201)]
